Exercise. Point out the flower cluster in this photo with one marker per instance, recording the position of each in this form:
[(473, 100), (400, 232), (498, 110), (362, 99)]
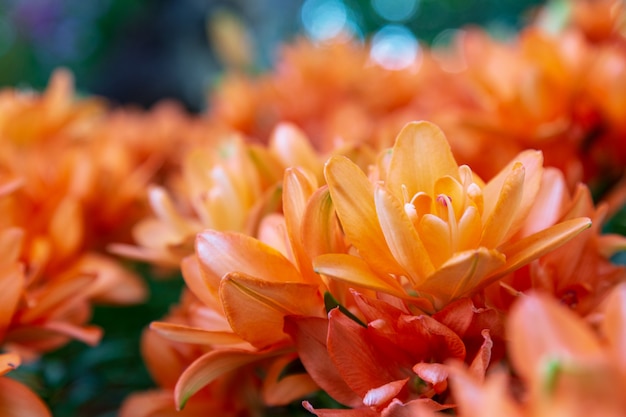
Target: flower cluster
[(331, 239)]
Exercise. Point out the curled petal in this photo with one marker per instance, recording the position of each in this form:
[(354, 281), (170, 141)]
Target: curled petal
[(256, 309), (195, 335)]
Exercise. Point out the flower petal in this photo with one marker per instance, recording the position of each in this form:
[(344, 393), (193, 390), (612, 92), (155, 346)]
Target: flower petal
[(256, 309), (16, 400), (11, 287), (402, 238), (519, 253), (356, 271), (211, 366), (353, 197), (8, 362), (195, 335), (421, 155), (223, 252)]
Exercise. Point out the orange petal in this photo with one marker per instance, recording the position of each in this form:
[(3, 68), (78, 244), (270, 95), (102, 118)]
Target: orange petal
[(533, 170), (523, 251), (16, 400), (223, 252), (614, 324), (11, 287), (90, 335), (353, 197), (195, 335), (256, 309), (282, 390), (8, 362), (541, 330), (462, 274), (211, 366), (293, 148), (402, 238), (421, 155), (500, 220), (321, 232), (377, 397), (356, 271)]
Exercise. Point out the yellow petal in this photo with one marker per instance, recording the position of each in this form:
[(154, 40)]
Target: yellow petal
[(356, 271), (525, 250), (353, 197), (256, 308), (421, 155), (401, 236)]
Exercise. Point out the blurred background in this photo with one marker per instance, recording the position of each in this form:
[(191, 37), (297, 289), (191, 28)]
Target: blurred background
[(139, 51)]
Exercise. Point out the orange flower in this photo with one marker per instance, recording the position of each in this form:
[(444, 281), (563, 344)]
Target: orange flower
[(430, 228), (16, 400)]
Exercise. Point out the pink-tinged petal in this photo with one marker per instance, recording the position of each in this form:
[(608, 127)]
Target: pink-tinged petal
[(481, 361), (421, 155), (282, 390), (309, 335), (223, 252), (421, 407), (16, 400), (11, 287), (435, 374), (533, 172), (402, 238), (614, 324), (256, 309), (353, 197), (194, 335), (90, 335), (519, 253), (379, 396), (541, 330), (500, 220), (9, 362), (211, 366), (477, 399), (462, 274), (356, 271), (356, 412)]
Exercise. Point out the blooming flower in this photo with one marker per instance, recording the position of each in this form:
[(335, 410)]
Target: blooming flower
[(423, 226)]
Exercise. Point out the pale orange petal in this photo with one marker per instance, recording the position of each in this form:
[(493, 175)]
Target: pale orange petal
[(378, 396), (223, 252), (614, 324), (293, 148), (353, 197), (283, 389), (421, 155), (461, 274), (402, 238), (355, 271), (194, 335)]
